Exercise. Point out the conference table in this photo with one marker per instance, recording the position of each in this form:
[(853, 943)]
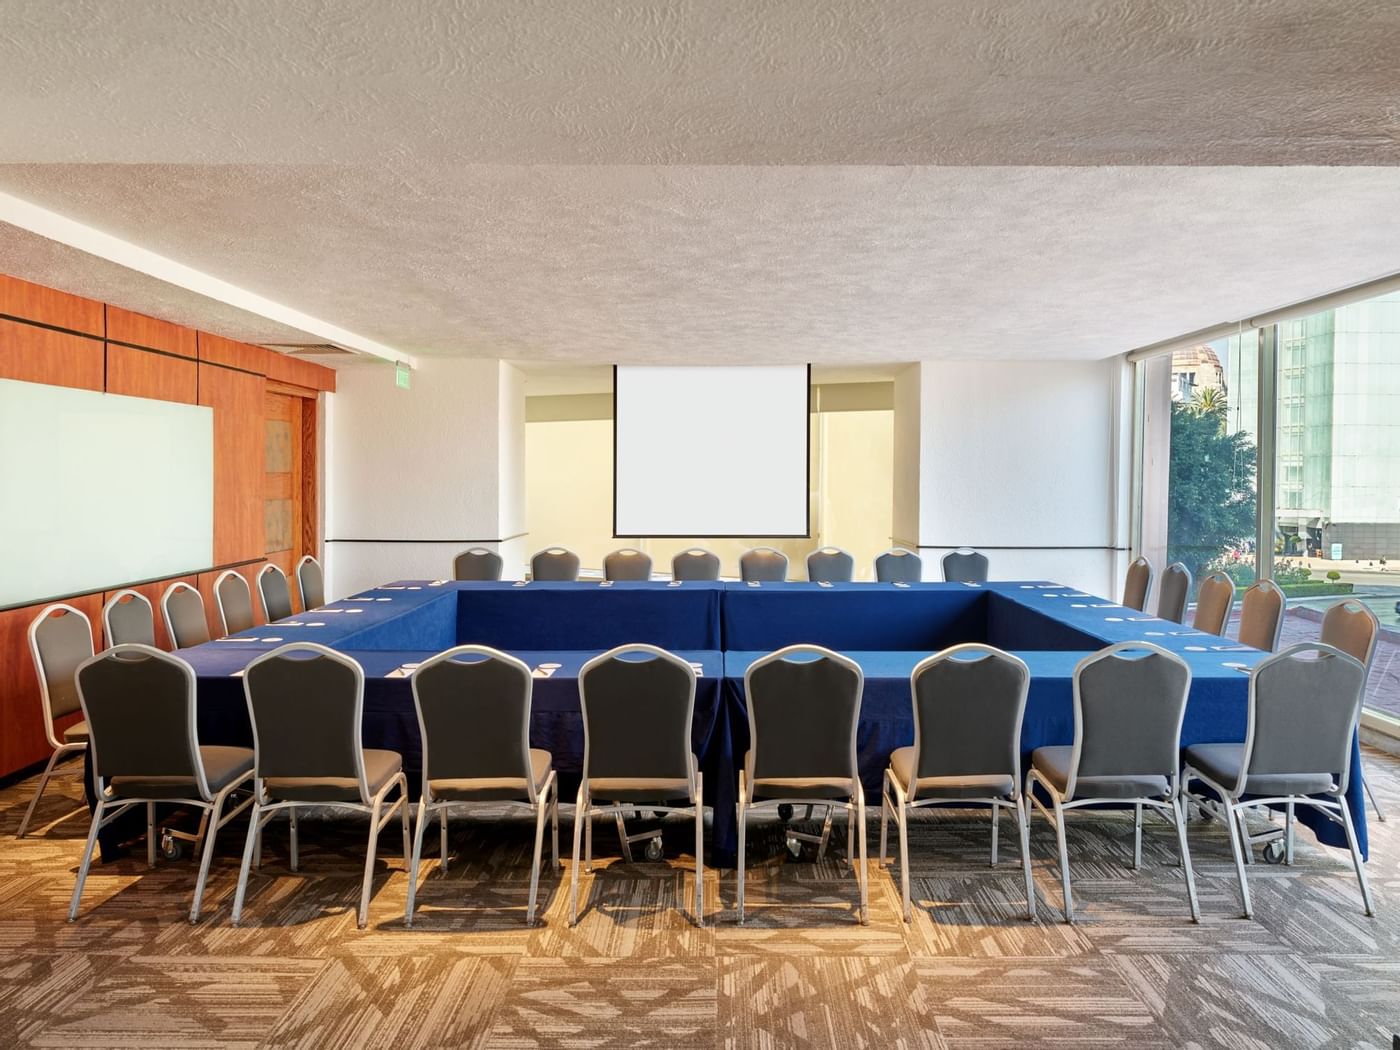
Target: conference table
[(722, 628)]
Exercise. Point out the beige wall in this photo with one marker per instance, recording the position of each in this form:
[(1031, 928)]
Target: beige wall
[(568, 486)]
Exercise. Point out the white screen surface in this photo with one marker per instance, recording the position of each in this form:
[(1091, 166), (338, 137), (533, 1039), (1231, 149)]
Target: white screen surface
[(100, 490), (710, 451)]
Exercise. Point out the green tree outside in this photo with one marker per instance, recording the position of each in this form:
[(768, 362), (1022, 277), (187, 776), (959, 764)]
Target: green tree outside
[(1210, 498)]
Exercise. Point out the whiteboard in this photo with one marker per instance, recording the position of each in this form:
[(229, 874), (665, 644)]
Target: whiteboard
[(710, 451), (100, 490)]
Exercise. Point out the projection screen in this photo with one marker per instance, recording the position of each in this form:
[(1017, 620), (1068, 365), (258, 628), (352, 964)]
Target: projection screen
[(100, 490), (710, 451)]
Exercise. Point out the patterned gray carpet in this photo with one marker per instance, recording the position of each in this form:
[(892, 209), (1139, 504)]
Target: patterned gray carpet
[(1310, 971)]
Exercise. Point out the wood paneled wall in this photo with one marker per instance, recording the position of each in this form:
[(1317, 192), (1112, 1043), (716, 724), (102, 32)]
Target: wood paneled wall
[(53, 337)]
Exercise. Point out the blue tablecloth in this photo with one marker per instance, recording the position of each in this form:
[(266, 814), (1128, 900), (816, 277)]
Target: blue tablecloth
[(589, 615), (413, 614), (855, 616)]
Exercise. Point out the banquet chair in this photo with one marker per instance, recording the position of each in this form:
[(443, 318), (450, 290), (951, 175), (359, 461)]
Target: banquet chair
[(804, 706), (1215, 599), (140, 708), (627, 564), (695, 563), (306, 704), (274, 592), (555, 564), (1129, 702), (1261, 615), (1137, 585), (830, 565), (965, 565), (763, 565), (1173, 592), (60, 638), (128, 618), (234, 602), (477, 563), (473, 706), (969, 701), (637, 725), (1353, 628), (311, 581), (898, 565), (1304, 705), (182, 608)]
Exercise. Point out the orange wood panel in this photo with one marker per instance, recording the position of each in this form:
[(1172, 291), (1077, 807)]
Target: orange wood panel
[(141, 373), (41, 355), (127, 327), (220, 351), (34, 302), (294, 371), (22, 742), (310, 516), (237, 400)]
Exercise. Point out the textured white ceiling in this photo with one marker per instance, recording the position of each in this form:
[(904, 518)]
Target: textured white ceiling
[(714, 181)]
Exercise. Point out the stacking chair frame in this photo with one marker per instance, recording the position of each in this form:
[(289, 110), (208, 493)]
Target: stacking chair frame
[(306, 604), (374, 806), (899, 556), (899, 803), (1225, 803), (263, 574), (179, 587), (1355, 608), (219, 599), (1170, 804), (543, 802), (209, 803), (115, 602), (854, 808)]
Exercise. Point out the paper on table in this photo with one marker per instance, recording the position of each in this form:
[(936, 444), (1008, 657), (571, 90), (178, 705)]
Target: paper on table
[(823, 583)]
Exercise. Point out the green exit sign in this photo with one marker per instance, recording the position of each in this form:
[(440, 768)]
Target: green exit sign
[(401, 374)]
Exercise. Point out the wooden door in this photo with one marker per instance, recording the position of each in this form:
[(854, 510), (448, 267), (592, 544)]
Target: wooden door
[(289, 485)]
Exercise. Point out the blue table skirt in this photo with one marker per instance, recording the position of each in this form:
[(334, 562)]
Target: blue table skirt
[(853, 616), (589, 615), (408, 615)]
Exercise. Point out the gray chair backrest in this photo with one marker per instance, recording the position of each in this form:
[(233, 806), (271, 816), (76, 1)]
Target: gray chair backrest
[(1215, 598), (627, 564), (140, 708), (637, 714), (276, 595), (830, 565), (763, 565), (311, 582), (1304, 704), (184, 611), (898, 565), (1138, 584), (1352, 628), (968, 705), (474, 715), (128, 618), (1173, 591), (477, 563), (185, 622), (234, 602), (556, 564), (60, 638), (1261, 615), (803, 713), (695, 564), (1128, 709), (305, 702), (965, 565)]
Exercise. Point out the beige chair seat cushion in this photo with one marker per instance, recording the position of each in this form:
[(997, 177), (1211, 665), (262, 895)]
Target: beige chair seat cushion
[(380, 768), (987, 785), (494, 789), (638, 789), (77, 733), (1054, 762), (222, 767), (1222, 762)]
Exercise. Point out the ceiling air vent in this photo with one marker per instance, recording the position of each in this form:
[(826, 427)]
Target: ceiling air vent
[(309, 349)]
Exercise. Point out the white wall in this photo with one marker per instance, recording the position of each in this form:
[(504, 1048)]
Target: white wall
[(1021, 460), (413, 476), (511, 519), (908, 435)]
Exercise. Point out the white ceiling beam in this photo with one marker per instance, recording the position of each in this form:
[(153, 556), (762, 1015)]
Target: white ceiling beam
[(84, 238)]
